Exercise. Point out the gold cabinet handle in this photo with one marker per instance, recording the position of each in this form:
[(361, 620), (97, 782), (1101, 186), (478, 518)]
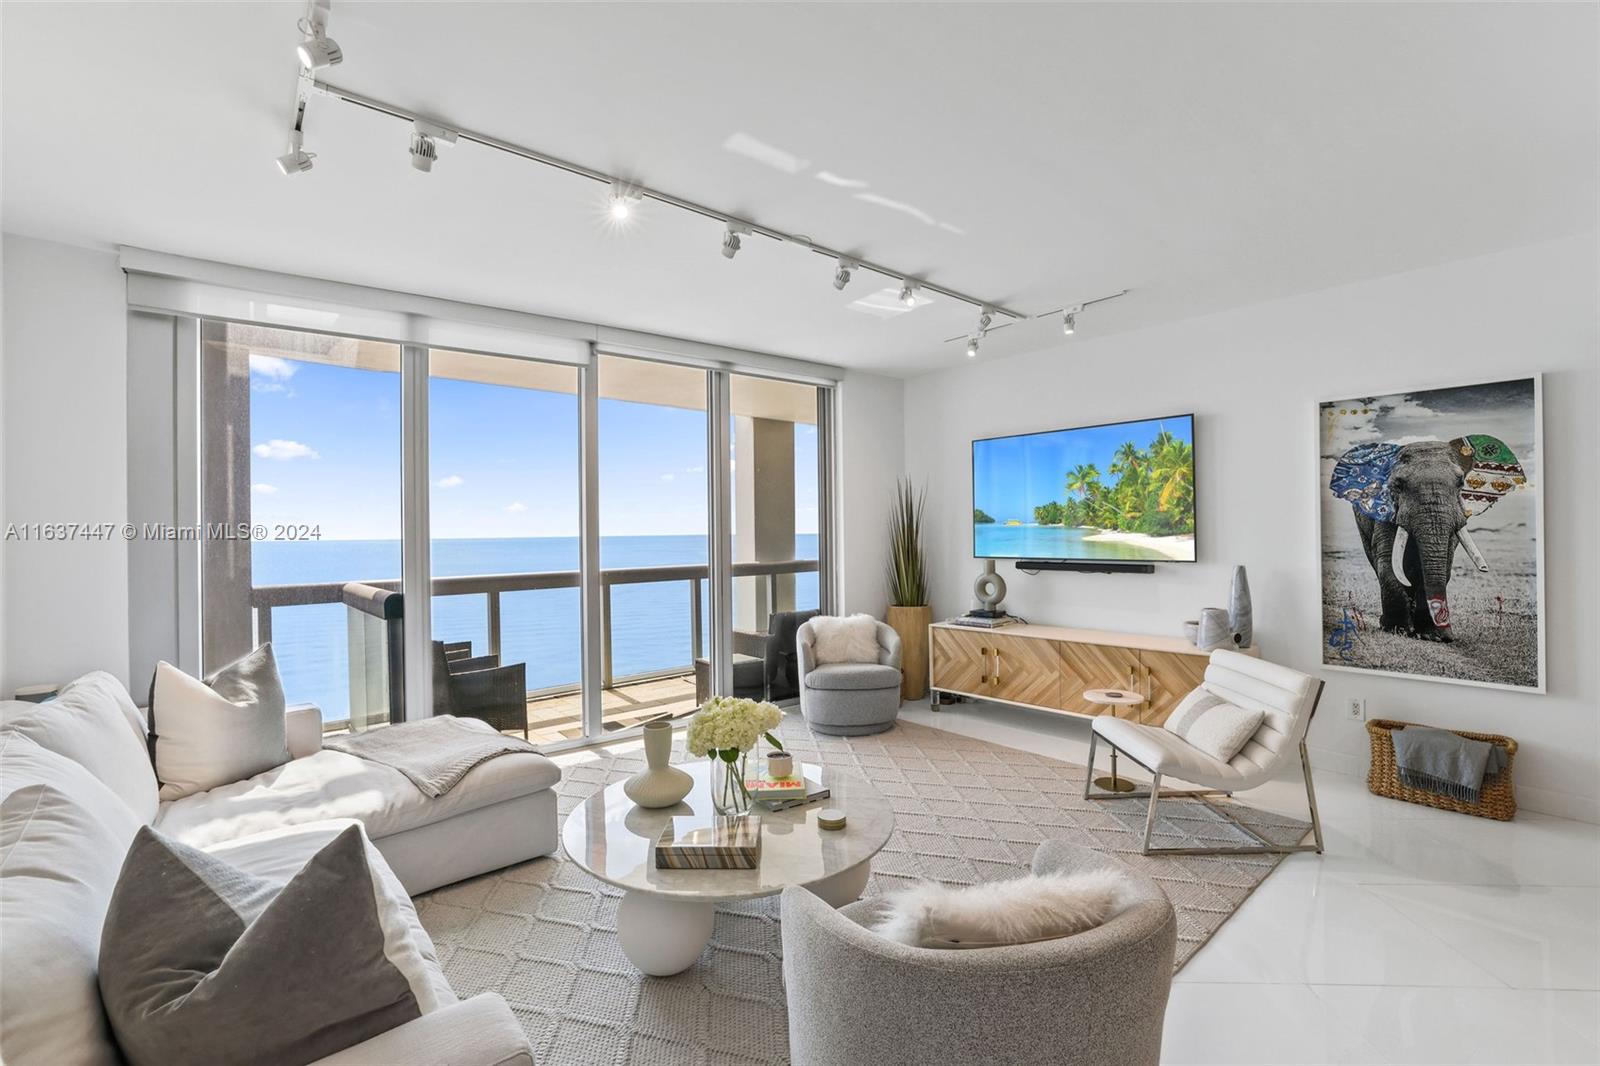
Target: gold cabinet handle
[(983, 676), (996, 666)]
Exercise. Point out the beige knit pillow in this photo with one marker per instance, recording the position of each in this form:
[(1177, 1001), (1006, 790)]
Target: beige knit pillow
[(1213, 725)]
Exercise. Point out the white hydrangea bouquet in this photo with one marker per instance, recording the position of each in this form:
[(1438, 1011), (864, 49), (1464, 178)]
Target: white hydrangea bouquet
[(727, 729)]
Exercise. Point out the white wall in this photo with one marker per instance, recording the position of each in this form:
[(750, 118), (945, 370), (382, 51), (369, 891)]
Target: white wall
[(1253, 376), (871, 457), (63, 438)]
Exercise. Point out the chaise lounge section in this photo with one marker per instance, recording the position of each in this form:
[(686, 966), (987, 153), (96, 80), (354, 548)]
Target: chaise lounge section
[(77, 782)]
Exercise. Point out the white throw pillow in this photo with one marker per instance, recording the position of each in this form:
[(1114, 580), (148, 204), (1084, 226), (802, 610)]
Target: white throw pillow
[(1023, 910), (62, 838), (853, 639), (1213, 725), (215, 732), (92, 722)]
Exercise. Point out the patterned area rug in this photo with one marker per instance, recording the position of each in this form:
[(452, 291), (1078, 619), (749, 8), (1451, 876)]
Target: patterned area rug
[(543, 934)]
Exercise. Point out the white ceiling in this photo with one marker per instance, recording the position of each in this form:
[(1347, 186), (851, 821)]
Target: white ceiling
[(1205, 156)]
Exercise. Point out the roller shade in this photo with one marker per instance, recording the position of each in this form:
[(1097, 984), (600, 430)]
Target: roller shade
[(173, 284)]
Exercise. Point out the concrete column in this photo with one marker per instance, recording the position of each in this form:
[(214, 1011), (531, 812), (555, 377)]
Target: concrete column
[(763, 491), (227, 628)]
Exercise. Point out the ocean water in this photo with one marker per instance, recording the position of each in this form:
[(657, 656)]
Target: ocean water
[(649, 623), (1053, 542)]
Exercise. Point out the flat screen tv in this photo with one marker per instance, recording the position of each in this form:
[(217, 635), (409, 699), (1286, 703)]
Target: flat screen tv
[(1117, 493)]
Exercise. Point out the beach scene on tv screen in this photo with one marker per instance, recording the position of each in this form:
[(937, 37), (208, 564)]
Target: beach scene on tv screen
[(1118, 492)]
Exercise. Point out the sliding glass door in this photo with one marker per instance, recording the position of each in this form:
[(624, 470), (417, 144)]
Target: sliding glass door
[(503, 490), (654, 521), (775, 515), (301, 496)]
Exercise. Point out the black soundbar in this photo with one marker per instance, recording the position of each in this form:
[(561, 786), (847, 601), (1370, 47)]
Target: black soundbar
[(1035, 565)]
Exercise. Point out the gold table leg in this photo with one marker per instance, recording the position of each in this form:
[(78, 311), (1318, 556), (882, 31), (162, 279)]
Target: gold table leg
[(1113, 783)]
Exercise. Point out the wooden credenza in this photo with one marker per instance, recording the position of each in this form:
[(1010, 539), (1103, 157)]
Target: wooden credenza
[(1050, 667)]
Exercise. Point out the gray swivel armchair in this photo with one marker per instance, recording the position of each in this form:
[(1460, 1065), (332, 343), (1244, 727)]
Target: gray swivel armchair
[(850, 699), (1098, 997)]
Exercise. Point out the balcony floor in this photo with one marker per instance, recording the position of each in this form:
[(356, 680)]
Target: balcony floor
[(554, 718)]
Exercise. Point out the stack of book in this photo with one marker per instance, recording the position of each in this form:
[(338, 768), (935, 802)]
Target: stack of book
[(766, 788), (979, 622), (727, 843), (781, 793)]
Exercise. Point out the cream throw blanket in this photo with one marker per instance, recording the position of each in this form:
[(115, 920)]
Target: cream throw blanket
[(434, 753)]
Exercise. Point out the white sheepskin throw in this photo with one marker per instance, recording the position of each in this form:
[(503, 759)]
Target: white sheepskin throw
[(1023, 910), (853, 639)]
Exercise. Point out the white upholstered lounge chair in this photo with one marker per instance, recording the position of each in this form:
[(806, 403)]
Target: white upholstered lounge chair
[(1289, 699)]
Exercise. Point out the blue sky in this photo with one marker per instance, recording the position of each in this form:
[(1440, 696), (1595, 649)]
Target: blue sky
[(1013, 475), (503, 462)]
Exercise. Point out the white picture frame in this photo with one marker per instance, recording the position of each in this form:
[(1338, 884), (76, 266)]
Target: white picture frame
[(1381, 651)]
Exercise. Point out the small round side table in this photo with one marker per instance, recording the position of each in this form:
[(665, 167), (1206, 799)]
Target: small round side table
[(1113, 698)]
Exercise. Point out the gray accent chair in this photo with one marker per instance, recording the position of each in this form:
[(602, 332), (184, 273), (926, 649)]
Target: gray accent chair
[(1098, 997), (850, 699)]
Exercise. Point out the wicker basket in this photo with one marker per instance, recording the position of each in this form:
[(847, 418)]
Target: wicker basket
[(1495, 800)]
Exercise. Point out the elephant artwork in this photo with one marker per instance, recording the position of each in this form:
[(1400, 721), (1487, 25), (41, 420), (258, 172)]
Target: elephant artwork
[(1412, 504), (1414, 501)]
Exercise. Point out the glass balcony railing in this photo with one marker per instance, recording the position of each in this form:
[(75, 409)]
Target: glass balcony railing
[(654, 627)]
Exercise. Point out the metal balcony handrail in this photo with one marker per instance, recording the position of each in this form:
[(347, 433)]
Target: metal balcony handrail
[(263, 598)]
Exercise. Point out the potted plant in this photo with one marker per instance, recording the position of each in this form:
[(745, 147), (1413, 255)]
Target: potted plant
[(909, 612)]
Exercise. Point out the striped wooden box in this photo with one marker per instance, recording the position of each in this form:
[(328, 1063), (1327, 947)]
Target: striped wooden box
[(728, 843)]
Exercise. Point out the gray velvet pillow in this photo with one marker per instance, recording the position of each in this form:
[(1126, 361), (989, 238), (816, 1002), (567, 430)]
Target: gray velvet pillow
[(201, 962)]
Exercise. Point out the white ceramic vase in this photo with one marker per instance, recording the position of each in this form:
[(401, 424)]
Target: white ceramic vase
[(659, 784)]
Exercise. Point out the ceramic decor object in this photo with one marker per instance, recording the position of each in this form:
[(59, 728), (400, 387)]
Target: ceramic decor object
[(989, 588), (1240, 616), (1215, 632), (659, 784)]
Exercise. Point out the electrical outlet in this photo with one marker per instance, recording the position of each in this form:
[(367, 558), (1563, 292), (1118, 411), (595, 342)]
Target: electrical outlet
[(1355, 709)]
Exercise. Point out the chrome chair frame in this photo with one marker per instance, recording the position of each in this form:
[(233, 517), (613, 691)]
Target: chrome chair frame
[(1156, 793)]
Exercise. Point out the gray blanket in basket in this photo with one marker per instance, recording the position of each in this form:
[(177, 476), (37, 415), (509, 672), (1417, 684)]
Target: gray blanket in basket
[(1439, 761), (434, 753)]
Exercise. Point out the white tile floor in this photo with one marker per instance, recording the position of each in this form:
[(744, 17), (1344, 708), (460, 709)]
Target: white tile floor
[(1420, 936)]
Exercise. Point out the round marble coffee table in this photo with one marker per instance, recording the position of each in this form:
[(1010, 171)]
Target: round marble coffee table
[(664, 920)]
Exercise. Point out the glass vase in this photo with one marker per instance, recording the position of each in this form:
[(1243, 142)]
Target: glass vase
[(728, 793)]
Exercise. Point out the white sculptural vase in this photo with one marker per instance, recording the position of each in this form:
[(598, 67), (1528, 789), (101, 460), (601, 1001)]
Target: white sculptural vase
[(659, 784)]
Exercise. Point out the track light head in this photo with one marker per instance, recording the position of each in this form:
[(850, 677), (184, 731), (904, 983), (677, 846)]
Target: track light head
[(423, 152), (622, 199), (730, 239), (425, 140), (1069, 321), (972, 347), (908, 292), (842, 271), (295, 160), (318, 50), (985, 317)]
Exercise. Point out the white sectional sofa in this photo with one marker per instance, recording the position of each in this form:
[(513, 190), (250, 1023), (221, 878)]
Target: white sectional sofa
[(76, 783)]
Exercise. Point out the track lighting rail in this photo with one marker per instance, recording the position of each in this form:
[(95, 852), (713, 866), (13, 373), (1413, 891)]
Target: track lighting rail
[(744, 225)]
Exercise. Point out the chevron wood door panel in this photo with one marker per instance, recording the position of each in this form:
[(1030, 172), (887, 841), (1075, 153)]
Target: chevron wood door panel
[(1026, 670), (960, 661), (1086, 666), (1172, 676)]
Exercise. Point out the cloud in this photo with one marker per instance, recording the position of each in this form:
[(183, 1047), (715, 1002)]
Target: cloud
[(270, 366), (284, 449), (517, 507), (695, 470), (450, 481), (668, 477), (263, 488)]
